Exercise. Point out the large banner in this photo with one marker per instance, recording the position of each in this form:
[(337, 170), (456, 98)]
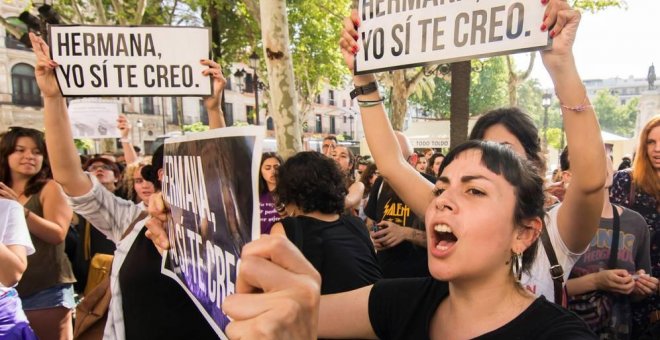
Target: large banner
[(130, 61), (94, 118), (210, 183), (397, 34)]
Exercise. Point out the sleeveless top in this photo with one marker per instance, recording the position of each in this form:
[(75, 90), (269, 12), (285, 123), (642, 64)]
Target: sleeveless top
[(154, 305), (49, 265)]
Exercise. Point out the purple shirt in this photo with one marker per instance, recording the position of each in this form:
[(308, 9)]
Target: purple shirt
[(268, 213)]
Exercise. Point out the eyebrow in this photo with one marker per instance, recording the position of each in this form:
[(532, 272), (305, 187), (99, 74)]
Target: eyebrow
[(464, 179)]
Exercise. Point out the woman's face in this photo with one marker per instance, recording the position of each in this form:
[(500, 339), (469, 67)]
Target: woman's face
[(436, 165), (469, 224), (142, 187), (269, 170), (103, 172), (374, 177), (342, 157), (27, 159), (421, 164), (499, 134), (653, 147)]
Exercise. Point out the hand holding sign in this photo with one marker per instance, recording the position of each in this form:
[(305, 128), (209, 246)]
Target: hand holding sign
[(124, 126), (219, 82), (45, 70), (562, 19), (278, 293)]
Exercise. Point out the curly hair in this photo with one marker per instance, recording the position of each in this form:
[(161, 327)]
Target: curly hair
[(8, 144), (312, 182)]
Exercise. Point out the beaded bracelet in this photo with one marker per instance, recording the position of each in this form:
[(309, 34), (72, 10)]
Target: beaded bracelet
[(577, 108)]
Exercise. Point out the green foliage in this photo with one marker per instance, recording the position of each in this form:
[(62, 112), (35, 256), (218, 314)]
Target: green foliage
[(196, 127), (597, 5), (487, 90), (83, 144), (614, 117), (554, 138)]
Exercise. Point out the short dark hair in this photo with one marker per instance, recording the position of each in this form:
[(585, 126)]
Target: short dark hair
[(517, 123), (311, 181), (263, 186), (150, 171), (527, 183), (330, 137), (564, 163), (114, 167)]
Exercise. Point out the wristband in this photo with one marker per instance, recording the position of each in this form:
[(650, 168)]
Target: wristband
[(366, 89)]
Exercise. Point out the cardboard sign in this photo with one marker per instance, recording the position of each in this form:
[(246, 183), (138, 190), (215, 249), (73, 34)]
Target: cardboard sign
[(94, 118), (211, 185), (396, 34), (130, 61)]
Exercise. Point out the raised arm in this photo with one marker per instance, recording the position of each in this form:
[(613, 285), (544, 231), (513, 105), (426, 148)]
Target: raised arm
[(212, 103), (64, 159), (580, 211), (124, 127), (411, 187)]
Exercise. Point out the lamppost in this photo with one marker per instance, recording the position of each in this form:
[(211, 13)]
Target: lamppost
[(545, 102), (239, 74), (350, 118), (139, 125), (254, 63)]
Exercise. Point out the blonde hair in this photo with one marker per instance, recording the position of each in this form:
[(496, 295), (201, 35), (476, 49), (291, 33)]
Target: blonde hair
[(128, 179), (643, 173)]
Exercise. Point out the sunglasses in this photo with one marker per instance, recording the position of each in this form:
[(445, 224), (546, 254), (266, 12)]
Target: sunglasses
[(93, 168)]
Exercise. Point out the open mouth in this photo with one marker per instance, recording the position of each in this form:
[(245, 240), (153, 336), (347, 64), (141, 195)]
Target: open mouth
[(444, 236)]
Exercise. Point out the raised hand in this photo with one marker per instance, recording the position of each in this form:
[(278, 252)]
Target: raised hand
[(45, 69), (219, 82), (123, 125), (156, 230), (562, 23), (349, 37)]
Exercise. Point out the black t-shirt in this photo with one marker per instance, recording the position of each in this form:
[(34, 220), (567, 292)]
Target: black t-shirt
[(403, 309), (405, 259), (341, 251)]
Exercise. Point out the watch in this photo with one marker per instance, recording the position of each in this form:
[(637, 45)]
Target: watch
[(366, 89)]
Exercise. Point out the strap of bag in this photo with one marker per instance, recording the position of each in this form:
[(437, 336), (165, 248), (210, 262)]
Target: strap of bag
[(142, 216), (87, 240), (614, 251), (556, 270), (632, 194)]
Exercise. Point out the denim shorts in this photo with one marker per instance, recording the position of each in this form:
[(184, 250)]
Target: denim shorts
[(56, 296)]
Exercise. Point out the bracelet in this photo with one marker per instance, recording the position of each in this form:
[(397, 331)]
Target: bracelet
[(27, 212), (577, 108), (369, 103), (125, 140), (366, 89)]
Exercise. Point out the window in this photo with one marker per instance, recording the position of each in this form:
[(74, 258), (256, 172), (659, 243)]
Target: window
[(148, 105), (249, 113), (331, 95), (175, 111), (249, 83), (25, 89), (12, 42), (318, 99), (319, 124), (269, 124), (332, 125), (228, 85), (203, 114), (229, 114)]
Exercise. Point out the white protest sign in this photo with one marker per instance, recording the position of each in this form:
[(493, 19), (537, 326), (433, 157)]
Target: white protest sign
[(94, 119), (130, 61), (397, 34)]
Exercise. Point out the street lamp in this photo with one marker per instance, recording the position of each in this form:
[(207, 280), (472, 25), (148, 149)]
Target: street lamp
[(139, 125), (254, 63), (239, 74), (545, 102), (350, 118)]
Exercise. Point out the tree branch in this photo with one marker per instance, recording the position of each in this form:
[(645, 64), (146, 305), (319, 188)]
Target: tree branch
[(142, 6), (100, 11), (119, 7)]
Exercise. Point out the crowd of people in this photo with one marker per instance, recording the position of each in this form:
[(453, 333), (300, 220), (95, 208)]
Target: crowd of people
[(466, 243)]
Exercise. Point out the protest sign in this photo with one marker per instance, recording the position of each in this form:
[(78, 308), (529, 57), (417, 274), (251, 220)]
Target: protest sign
[(396, 34), (210, 184), (130, 61), (94, 118)]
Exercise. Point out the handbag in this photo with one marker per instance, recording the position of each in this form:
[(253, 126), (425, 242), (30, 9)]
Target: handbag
[(99, 270), (92, 311)]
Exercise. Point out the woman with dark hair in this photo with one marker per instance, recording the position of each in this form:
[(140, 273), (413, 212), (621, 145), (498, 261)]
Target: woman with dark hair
[(270, 162), (46, 289), (347, 164), (145, 304), (570, 225), (638, 188), (482, 227), (433, 168), (311, 188), (367, 178)]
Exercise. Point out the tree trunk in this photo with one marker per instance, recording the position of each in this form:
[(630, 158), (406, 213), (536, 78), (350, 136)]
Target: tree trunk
[(459, 102), (283, 101), (399, 99)]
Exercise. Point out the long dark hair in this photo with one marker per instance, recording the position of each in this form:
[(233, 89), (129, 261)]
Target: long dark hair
[(8, 145), (263, 186)]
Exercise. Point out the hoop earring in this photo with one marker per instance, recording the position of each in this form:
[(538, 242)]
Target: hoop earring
[(516, 266)]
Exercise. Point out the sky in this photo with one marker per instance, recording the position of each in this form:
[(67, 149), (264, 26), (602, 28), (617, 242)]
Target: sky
[(613, 43)]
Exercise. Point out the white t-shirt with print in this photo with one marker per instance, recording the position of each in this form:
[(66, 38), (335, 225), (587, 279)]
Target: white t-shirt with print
[(13, 229), (539, 280)]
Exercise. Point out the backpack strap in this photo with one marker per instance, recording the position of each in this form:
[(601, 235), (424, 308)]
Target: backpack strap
[(556, 270), (142, 216), (614, 250)]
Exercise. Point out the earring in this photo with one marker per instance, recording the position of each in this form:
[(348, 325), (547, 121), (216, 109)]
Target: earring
[(516, 266)]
